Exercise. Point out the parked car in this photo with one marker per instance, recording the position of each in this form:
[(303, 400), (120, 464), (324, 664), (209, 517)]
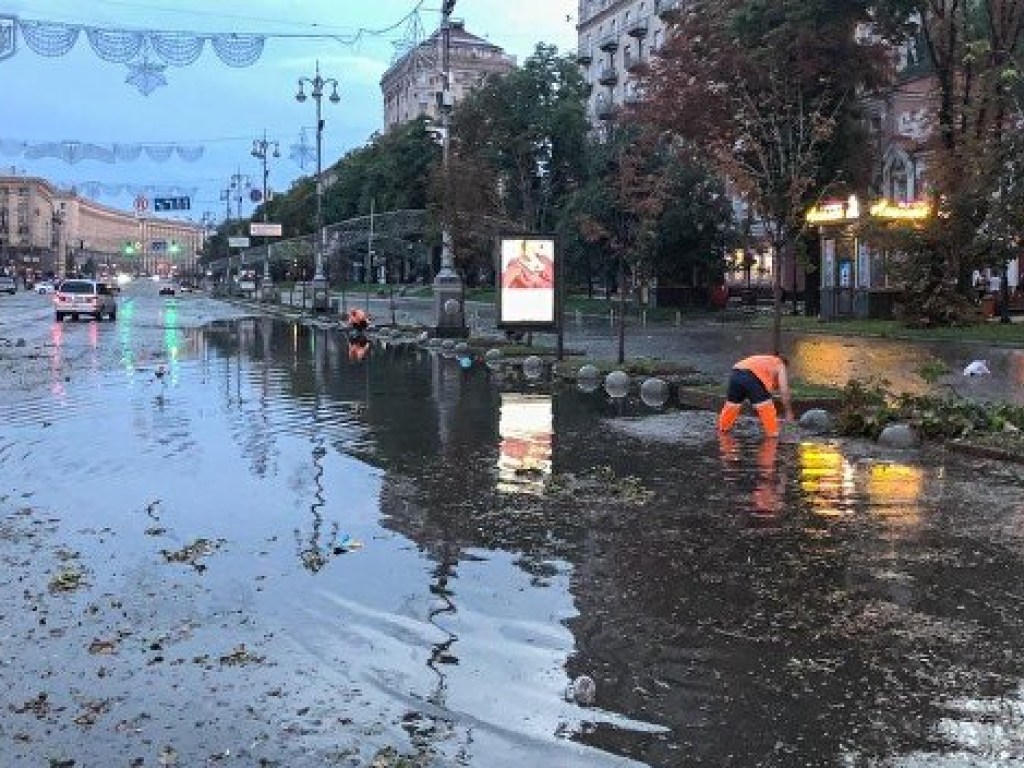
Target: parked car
[(84, 297), (167, 289), (45, 287), (7, 285)]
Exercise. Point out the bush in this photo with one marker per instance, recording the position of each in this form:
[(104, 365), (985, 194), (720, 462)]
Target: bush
[(867, 407)]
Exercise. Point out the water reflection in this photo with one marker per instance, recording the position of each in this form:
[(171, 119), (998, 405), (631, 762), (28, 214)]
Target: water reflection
[(760, 461), (847, 610), (525, 426), (826, 479)]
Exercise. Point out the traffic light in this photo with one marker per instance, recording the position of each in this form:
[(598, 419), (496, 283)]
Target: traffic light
[(129, 248)]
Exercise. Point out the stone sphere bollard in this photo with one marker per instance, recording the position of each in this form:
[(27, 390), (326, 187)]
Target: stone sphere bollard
[(816, 420), (616, 384), (588, 378), (533, 367), (654, 392)]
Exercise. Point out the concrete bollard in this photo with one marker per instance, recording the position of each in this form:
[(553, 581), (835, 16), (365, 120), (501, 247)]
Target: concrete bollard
[(679, 318), (579, 317)]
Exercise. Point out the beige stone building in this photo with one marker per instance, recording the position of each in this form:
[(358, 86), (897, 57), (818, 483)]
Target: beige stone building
[(615, 37), (46, 231), (412, 85)]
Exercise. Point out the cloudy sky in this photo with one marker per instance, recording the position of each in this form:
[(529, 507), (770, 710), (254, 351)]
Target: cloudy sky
[(78, 97)]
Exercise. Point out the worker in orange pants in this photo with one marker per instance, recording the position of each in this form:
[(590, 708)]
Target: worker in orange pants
[(755, 378)]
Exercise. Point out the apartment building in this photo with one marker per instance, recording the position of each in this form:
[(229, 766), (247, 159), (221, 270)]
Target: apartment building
[(45, 230), (412, 85), (616, 37)]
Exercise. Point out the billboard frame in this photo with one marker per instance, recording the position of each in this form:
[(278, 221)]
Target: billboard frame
[(528, 325)]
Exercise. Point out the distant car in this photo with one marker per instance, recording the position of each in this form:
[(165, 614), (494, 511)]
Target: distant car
[(45, 287), (84, 297), (7, 285), (167, 289)]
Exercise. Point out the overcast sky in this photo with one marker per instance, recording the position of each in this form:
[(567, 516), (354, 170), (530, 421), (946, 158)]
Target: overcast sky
[(79, 97)]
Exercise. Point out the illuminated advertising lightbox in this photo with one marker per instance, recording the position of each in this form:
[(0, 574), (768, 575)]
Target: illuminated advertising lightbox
[(527, 282)]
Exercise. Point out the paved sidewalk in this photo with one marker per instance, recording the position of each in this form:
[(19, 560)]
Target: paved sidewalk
[(712, 346)]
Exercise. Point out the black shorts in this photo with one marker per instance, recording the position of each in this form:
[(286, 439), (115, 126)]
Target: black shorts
[(744, 385)]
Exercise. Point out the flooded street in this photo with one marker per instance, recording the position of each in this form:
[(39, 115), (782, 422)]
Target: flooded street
[(224, 541)]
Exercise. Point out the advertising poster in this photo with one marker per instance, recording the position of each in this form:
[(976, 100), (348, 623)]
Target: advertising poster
[(527, 283)]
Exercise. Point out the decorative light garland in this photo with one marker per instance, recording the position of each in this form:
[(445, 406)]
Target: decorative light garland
[(75, 151), (148, 52)]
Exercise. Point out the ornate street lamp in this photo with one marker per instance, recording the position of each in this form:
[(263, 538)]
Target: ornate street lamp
[(316, 84), (261, 150), (447, 283)]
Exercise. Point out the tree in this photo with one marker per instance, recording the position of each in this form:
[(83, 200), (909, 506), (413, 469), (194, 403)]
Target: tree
[(630, 213), (765, 89), (974, 51), (529, 126)]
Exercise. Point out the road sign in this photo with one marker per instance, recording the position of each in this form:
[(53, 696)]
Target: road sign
[(141, 204), (238, 242), (264, 229), (172, 203)]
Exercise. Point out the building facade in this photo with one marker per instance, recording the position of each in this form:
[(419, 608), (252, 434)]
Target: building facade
[(412, 85), (615, 38), (46, 231)]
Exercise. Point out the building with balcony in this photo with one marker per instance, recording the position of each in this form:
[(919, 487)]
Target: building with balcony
[(616, 38), (49, 231), (412, 85)]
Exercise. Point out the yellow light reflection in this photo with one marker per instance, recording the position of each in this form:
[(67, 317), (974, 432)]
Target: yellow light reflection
[(834, 486), (525, 426), (826, 478), (894, 492)]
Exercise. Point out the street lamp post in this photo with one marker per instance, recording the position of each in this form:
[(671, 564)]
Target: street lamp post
[(261, 149), (316, 84), (447, 283)]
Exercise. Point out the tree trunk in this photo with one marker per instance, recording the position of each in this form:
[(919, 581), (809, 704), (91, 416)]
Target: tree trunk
[(622, 312), (780, 253)]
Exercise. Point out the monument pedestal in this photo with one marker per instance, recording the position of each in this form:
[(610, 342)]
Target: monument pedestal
[(448, 307)]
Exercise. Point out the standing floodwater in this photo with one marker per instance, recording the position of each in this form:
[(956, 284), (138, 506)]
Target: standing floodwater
[(241, 544)]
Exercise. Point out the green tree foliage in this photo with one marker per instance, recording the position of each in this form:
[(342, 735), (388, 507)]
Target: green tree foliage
[(529, 127), (393, 169), (766, 90), (689, 234)]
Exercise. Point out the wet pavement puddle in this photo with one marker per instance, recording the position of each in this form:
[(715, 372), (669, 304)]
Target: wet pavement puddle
[(244, 545)]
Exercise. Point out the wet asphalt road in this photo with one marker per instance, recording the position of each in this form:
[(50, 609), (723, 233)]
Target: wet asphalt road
[(226, 541)]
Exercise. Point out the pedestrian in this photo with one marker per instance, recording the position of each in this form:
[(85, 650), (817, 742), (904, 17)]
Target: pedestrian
[(358, 320), (754, 378)]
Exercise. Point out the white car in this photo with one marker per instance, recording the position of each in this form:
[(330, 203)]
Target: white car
[(84, 297), (45, 287)]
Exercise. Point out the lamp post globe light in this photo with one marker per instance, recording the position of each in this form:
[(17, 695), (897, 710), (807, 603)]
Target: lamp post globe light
[(447, 283), (261, 150), (321, 302)]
